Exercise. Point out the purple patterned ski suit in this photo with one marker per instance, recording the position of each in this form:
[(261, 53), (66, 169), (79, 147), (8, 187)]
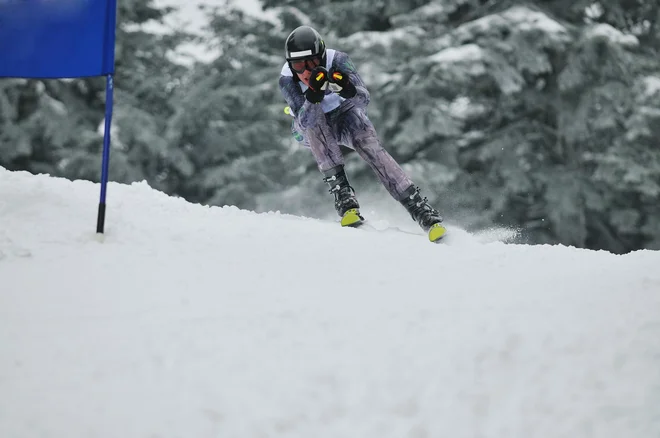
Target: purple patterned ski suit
[(342, 121)]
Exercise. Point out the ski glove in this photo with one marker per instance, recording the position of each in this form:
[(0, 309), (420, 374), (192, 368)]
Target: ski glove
[(341, 83), (318, 82)]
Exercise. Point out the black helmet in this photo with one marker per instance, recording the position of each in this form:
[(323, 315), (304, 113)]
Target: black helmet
[(304, 43)]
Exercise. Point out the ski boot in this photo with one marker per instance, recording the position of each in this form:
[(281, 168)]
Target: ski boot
[(345, 202), (425, 215)]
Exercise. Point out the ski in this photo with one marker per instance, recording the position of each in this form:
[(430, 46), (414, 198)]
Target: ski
[(437, 232), (352, 218)]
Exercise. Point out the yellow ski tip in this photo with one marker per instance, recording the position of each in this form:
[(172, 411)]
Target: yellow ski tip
[(437, 232), (351, 218)]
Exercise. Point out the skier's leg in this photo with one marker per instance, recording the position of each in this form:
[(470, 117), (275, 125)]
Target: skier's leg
[(356, 130), (323, 144), (330, 161)]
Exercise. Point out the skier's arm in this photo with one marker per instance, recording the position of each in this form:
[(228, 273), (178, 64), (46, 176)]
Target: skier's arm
[(305, 112), (343, 63)]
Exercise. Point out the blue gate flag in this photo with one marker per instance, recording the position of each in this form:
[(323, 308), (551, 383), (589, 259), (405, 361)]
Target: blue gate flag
[(57, 38)]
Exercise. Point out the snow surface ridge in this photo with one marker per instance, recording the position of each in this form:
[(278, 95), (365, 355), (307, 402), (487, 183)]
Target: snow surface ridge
[(194, 321)]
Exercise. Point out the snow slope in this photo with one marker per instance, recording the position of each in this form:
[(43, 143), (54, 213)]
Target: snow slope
[(189, 321)]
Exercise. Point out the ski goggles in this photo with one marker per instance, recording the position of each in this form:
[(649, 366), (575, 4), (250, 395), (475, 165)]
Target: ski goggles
[(300, 65)]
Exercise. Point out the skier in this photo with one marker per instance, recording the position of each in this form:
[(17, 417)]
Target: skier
[(328, 101)]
